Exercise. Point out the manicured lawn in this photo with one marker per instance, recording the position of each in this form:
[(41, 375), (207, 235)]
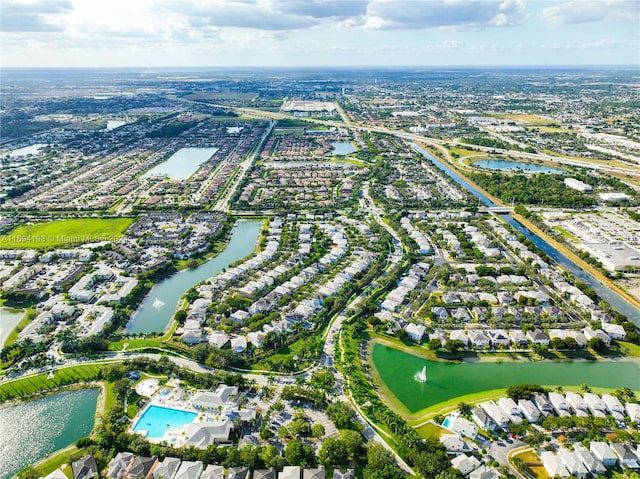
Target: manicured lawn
[(533, 463), (64, 233), (431, 430), (41, 382), (56, 460)]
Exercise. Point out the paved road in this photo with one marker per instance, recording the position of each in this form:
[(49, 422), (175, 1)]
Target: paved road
[(223, 203)]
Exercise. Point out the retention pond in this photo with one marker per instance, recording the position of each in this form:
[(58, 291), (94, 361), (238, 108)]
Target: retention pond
[(419, 383)]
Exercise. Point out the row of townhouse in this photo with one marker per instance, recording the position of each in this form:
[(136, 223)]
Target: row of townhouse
[(497, 415), (126, 465), (594, 461), (494, 338), (409, 282)]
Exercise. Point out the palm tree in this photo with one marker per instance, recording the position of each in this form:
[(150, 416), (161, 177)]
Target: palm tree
[(585, 388), (464, 409)]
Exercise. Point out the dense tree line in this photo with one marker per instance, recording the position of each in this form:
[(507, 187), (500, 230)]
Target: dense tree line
[(549, 190)]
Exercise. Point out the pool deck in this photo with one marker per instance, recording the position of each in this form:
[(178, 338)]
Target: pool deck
[(180, 400)]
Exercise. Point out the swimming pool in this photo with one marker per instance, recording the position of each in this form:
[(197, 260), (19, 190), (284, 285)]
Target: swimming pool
[(447, 422), (157, 420)]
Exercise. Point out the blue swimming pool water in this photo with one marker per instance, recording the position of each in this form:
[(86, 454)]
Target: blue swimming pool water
[(447, 422), (157, 420)]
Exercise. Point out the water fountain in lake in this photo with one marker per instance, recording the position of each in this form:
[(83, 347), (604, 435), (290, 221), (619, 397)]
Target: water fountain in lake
[(421, 376), (157, 303)]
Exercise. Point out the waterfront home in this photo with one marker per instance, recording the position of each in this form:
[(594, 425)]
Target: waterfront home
[(192, 332), (538, 337), (479, 339), (572, 462), (633, 410), (592, 463), (85, 468), (614, 331), (189, 470), (578, 404), (460, 335), (313, 473), (553, 464), (595, 404), (141, 467), (518, 338), (498, 337), (56, 474), (567, 333), (560, 404), (118, 465), (614, 406), (597, 333), (166, 468), (494, 411), (213, 471), (415, 331), (511, 409), (482, 419), (603, 452), (454, 444), (465, 464), (290, 472), (626, 455), (463, 427), (529, 410)]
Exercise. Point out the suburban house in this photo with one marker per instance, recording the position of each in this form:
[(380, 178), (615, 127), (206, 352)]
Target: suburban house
[(603, 452)]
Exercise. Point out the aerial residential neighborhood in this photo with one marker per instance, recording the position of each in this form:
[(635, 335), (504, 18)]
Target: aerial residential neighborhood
[(313, 240)]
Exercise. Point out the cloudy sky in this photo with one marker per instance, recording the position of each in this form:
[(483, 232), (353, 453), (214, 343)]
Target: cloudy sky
[(74, 33)]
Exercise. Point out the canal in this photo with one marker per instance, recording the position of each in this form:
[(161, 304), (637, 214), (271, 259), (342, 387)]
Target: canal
[(31, 430), (611, 297), (158, 307)]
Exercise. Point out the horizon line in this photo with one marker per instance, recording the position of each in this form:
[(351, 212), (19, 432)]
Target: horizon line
[(354, 67)]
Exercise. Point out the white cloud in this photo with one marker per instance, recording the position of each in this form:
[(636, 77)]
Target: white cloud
[(586, 11), (39, 16), (422, 14), (266, 14)]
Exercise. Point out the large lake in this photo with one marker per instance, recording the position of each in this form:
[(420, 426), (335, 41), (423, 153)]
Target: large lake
[(9, 319), (447, 380), (31, 430), (507, 165), (182, 164), (160, 304)]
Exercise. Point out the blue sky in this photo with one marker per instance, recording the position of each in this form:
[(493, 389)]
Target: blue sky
[(145, 33)]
